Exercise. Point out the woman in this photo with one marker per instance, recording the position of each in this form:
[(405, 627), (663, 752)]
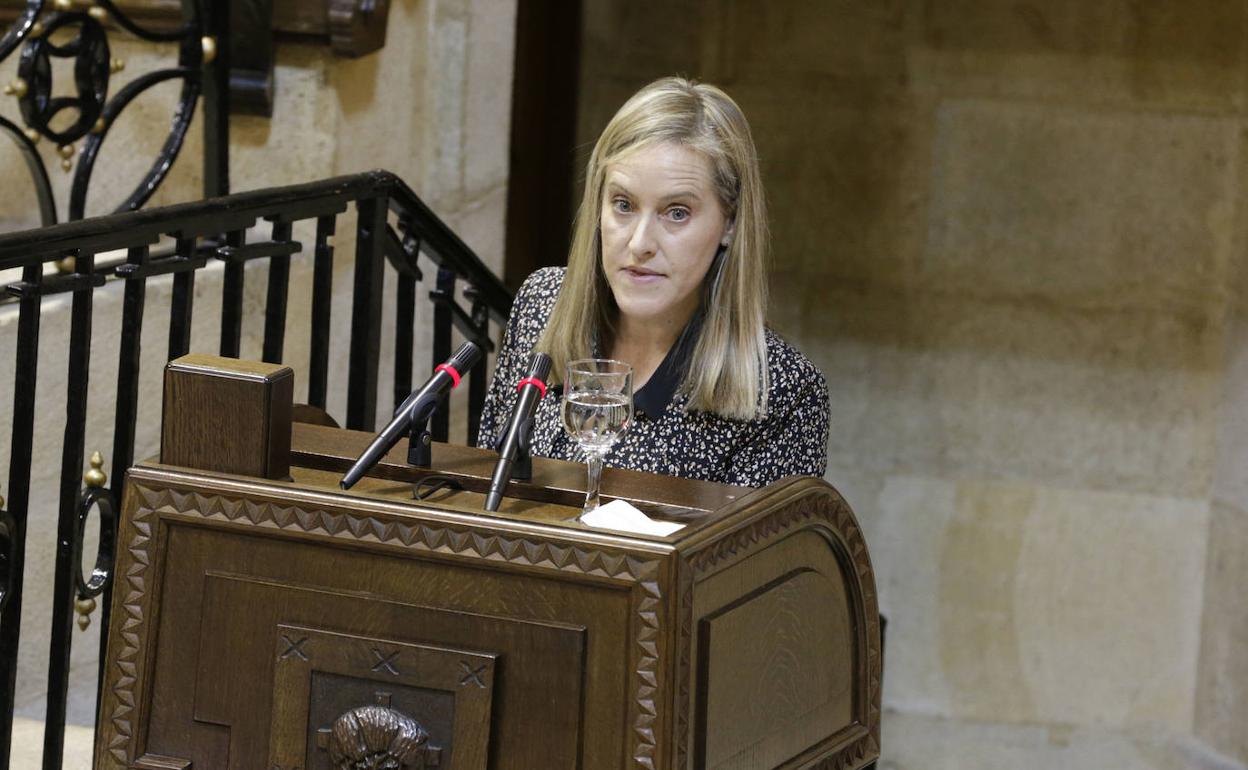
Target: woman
[(667, 273)]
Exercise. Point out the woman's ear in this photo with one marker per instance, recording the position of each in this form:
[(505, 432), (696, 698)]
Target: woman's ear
[(728, 231)]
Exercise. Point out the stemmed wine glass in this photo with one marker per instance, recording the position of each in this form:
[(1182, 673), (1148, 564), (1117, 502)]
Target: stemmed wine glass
[(597, 410)]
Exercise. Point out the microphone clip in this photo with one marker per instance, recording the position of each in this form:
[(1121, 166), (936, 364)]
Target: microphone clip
[(420, 440), (522, 465), (412, 416)]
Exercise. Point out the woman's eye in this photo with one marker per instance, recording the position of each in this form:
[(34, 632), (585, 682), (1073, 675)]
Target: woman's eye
[(621, 205), (678, 214)]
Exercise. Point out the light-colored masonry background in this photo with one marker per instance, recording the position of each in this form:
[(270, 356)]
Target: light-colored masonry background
[(1011, 235)]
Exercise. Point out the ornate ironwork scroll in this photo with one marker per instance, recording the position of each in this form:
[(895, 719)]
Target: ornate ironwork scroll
[(73, 31)]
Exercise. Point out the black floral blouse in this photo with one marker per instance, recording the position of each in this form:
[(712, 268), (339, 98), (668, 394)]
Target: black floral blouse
[(666, 437)]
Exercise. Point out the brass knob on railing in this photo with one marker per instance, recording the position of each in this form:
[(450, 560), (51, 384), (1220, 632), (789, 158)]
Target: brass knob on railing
[(67, 156), (32, 135), (209, 45), (84, 608), (36, 30), (64, 5), (98, 13), (95, 478), (17, 87), (116, 65)]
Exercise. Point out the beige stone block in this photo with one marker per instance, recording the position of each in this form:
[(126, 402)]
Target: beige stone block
[(861, 491), (846, 201), (909, 519), (919, 742), (482, 225), (487, 117), (1056, 202), (652, 51), (1222, 690), (446, 91), (1182, 55), (1230, 480), (134, 141), (394, 137), (599, 97), (1099, 617), (946, 387), (858, 46), (1020, 603), (297, 143), (28, 745)]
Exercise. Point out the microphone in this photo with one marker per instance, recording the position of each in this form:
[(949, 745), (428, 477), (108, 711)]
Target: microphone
[(416, 407), (515, 437)]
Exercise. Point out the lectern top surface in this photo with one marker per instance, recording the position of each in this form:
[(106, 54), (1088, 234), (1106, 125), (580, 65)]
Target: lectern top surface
[(553, 497), (319, 456)]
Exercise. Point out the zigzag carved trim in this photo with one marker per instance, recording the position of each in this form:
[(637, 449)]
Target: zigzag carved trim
[(684, 668), (128, 633)]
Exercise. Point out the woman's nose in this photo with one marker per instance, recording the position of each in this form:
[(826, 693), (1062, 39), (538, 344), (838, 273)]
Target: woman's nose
[(641, 242)]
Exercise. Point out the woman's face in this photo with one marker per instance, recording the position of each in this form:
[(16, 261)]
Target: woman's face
[(661, 225)]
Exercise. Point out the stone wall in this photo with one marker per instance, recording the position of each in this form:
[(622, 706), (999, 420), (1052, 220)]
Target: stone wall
[(1010, 234), (433, 106)]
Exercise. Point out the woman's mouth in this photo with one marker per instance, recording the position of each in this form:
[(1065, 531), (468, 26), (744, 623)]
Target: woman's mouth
[(642, 274)]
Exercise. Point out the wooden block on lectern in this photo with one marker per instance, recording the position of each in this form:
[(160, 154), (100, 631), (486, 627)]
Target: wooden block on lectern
[(227, 415)]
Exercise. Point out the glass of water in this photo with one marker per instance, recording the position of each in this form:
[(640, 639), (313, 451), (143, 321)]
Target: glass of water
[(597, 410)]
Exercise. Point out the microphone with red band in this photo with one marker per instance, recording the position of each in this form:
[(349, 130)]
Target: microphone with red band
[(449, 370), (541, 386), (414, 409), (515, 438)]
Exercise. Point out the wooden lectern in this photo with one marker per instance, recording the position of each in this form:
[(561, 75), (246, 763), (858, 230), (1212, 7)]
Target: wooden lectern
[(282, 623)]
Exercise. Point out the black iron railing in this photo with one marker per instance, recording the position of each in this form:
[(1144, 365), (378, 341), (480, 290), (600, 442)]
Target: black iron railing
[(393, 228)]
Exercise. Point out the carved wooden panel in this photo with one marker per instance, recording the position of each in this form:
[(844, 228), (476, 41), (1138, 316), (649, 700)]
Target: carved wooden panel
[(803, 523), (782, 675), (544, 661), (321, 676)]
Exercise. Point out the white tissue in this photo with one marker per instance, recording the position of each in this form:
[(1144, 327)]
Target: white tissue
[(621, 515)]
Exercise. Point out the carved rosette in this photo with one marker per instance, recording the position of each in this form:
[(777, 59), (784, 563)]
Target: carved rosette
[(380, 738)]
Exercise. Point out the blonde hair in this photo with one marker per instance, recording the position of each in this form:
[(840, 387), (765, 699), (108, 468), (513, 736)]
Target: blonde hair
[(727, 374)]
